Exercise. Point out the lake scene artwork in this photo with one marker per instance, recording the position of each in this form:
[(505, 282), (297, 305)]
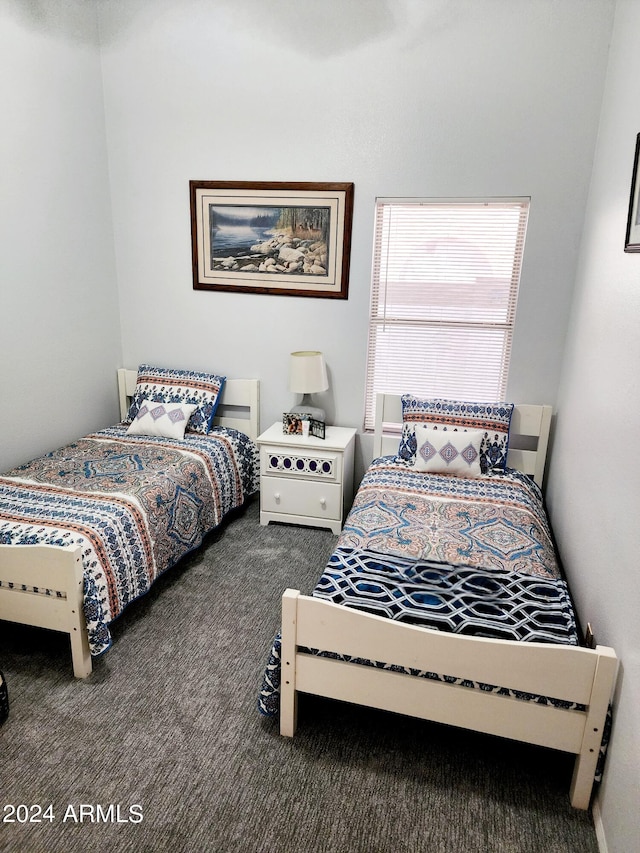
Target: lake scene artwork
[(291, 240)]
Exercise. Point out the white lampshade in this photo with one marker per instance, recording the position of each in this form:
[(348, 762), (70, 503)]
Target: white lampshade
[(307, 372)]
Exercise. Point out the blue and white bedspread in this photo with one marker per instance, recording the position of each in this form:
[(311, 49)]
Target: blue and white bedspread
[(468, 556), (491, 522), (134, 504)]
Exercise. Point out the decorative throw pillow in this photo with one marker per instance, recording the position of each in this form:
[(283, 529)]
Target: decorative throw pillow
[(441, 451), (493, 418), (168, 420), (161, 384)]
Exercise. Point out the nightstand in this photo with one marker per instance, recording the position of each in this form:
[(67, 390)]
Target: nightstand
[(306, 480)]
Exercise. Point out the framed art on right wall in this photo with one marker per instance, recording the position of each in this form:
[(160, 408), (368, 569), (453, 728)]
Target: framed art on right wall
[(632, 240)]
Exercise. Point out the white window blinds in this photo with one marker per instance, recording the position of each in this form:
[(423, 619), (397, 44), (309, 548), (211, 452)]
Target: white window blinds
[(444, 292)]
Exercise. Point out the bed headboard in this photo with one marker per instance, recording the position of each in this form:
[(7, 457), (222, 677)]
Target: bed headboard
[(528, 434), (239, 406)]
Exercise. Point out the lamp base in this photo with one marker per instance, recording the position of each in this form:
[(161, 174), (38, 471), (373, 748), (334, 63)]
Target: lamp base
[(312, 411), (306, 407)]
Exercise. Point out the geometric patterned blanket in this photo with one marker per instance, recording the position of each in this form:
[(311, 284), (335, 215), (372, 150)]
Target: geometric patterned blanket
[(468, 556), (134, 504), (458, 599)]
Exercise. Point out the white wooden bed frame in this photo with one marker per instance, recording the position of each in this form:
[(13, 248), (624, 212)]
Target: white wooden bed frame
[(582, 675), (60, 568)]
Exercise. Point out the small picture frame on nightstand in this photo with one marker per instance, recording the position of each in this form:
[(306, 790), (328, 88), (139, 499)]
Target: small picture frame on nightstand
[(294, 423), (316, 428)]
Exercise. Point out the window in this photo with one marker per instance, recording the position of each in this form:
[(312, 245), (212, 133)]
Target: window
[(443, 301)]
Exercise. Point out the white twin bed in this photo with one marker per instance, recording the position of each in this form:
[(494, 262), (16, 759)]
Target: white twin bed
[(101, 518), (551, 693)]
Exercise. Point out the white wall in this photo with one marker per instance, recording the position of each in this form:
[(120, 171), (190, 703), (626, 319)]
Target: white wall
[(427, 98), (60, 335), (594, 484)]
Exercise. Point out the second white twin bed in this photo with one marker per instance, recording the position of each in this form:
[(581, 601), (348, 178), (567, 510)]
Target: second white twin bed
[(443, 598)]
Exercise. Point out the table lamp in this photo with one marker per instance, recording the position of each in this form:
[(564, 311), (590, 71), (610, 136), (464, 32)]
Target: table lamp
[(307, 375)]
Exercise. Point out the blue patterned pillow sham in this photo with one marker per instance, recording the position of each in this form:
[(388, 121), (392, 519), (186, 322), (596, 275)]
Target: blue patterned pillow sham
[(164, 385), (493, 418)]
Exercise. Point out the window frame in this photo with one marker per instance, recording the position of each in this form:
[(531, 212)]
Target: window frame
[(497, 333)]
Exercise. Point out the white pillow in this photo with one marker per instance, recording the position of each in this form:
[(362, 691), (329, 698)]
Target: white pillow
[(168, 420), (448, 451)]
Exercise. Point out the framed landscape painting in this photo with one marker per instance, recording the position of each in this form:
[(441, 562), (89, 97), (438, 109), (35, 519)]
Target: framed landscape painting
[(278, 238)]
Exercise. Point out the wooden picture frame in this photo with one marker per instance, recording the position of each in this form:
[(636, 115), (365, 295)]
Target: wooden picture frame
[(289, 239), (632, 239), (292, 425)]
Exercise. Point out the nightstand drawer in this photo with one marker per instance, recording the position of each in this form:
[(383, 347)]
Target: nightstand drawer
[(301, 497), (283, 462)]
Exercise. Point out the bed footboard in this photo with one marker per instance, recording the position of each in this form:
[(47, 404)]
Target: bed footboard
[(575, 675), (42, 585)]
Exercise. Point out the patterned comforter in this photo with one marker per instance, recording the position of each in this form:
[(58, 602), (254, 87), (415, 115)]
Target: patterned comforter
[(134, 504), (468, 556)]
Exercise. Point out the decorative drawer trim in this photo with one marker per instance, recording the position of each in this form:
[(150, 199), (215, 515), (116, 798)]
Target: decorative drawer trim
[(300, 464)]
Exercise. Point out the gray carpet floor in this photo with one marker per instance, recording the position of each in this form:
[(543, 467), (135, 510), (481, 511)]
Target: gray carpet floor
[(166, 728)]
